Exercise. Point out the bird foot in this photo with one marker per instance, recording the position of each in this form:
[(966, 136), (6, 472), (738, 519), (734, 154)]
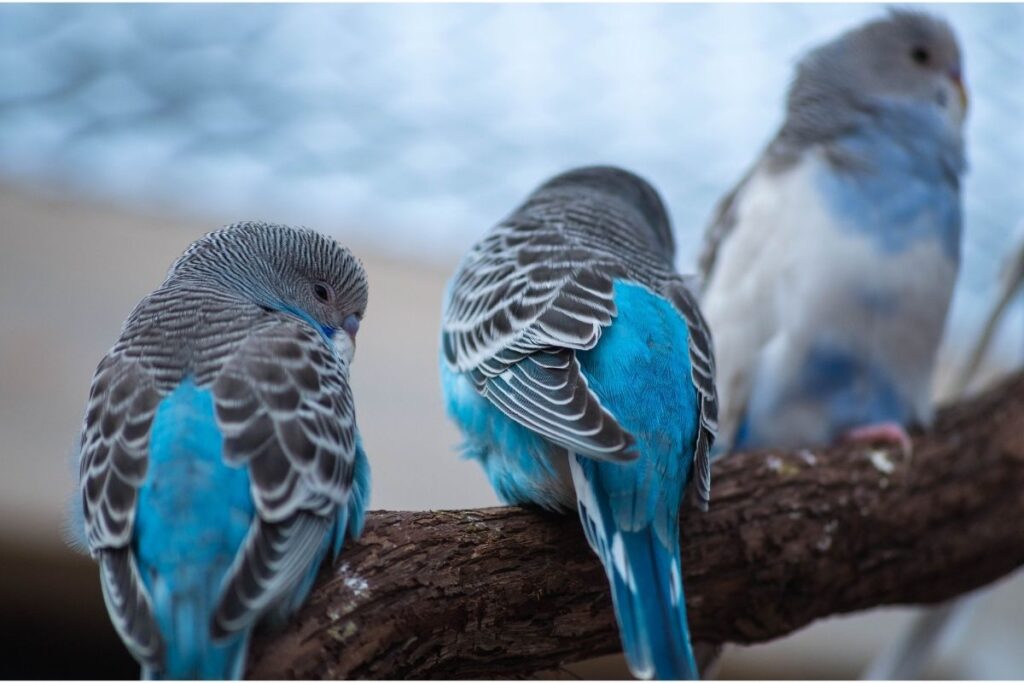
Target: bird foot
[(881, 432)]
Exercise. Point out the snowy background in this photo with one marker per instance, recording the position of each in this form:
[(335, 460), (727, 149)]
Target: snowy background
[(413, 128)]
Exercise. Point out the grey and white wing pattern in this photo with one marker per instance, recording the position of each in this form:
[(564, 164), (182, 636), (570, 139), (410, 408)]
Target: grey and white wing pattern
[(524, 300), (113, 460), (702, 371), (115, 448), (720, 228), (285, 409), (129, 605), (736, 259)]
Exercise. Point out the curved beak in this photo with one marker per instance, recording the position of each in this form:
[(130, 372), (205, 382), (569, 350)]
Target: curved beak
[(351, 327)]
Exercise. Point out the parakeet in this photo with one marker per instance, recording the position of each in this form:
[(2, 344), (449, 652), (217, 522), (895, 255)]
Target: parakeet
[(828, 270), (220, 460), (577, 365)]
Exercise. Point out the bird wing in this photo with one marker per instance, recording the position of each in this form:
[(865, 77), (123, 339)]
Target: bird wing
[(702, 372), (285, 410), (736, 293), (722, 223), (113, 460), (524, 300), (114, 447)]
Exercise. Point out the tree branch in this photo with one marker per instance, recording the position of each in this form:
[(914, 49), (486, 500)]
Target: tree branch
[(790, 538)]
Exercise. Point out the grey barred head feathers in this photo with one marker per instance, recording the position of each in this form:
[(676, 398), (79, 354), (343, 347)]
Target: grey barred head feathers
[(904, 56), (629, 188), (292, 269)]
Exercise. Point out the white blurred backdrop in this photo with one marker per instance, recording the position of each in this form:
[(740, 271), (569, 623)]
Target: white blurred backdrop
[(415, 127)]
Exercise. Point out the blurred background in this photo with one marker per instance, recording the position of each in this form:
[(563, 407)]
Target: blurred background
[(405, 131)]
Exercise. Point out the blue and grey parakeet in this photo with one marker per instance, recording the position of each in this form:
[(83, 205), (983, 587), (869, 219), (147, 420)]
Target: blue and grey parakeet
[(576, 363), (220, 461), (829, 269)]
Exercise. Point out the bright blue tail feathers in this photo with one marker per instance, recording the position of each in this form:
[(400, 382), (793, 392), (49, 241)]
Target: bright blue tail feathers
[(660, 638), (644, 573)]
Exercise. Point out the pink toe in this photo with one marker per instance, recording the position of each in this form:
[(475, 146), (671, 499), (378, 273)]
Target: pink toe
[(885, 432)]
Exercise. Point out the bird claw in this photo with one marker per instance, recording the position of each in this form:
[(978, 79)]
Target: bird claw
[(884, 432)]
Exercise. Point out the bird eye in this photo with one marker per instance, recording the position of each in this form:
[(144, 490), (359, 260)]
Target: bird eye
[(321, 292), (919, 55)]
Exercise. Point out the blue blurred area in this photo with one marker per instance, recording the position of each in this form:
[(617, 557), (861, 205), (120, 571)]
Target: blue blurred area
[(416, 127)]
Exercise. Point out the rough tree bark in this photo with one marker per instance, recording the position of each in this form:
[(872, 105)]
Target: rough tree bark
[(790, 538)]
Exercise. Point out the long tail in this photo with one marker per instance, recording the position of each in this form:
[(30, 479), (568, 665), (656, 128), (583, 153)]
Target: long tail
[(646, 582), (191, 653)]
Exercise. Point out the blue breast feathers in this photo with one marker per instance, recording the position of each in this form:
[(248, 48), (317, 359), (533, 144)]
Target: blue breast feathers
[(835, 388), (900, 182)]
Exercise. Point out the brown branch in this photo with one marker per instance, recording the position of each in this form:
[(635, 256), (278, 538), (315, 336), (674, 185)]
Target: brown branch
[(790, 538)]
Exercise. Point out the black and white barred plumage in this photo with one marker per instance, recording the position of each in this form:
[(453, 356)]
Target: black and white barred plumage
[(236, 314), (538, 288)]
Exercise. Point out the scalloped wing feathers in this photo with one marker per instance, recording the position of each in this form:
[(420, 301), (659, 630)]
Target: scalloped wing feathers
[(286, 412), (529, 289), (538, 288)]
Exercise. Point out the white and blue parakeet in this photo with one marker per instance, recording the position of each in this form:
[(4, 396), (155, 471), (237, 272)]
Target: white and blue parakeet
[(828, 271), (577, 365), (220, 461)]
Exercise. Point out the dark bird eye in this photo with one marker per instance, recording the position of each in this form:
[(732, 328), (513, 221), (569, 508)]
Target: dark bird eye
[(919, 55), (321, 292)]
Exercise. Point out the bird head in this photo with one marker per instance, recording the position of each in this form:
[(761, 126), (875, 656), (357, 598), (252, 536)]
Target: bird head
[(296, 271), (905, 56)]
